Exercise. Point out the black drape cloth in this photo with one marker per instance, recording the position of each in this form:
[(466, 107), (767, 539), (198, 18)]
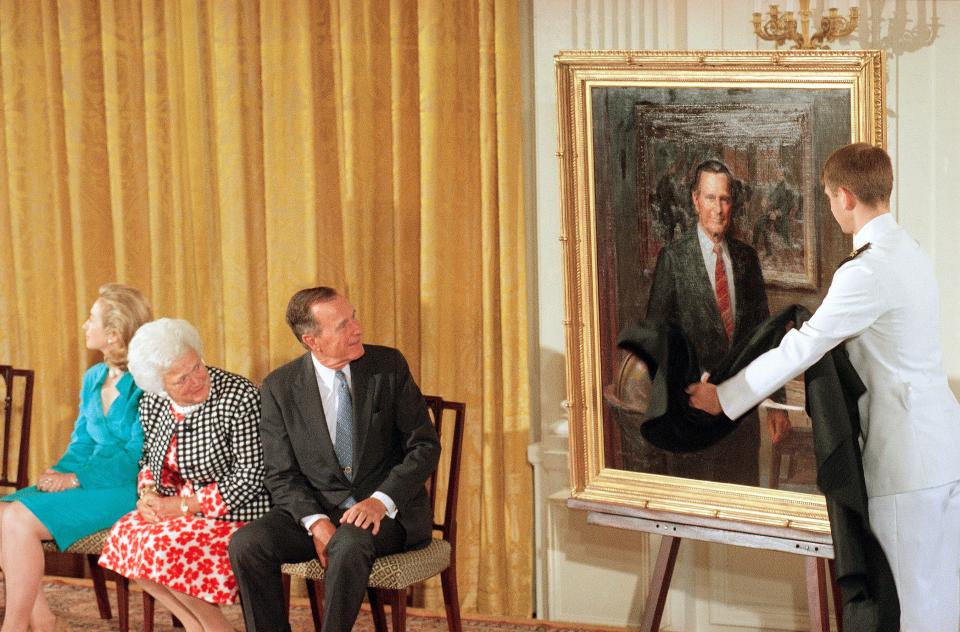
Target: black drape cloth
[(833, 388), (670, 423)]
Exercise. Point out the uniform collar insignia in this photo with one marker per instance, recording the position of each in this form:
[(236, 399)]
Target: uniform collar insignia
[(855, 253)]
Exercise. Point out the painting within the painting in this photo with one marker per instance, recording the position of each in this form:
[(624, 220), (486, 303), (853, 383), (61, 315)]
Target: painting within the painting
[(767, 148)]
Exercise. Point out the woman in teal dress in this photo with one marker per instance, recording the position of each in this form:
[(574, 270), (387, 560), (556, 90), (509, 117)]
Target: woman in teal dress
[(95, 482)]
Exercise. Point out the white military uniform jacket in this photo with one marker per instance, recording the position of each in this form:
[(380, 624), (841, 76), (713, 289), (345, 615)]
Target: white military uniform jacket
[(884, 303)]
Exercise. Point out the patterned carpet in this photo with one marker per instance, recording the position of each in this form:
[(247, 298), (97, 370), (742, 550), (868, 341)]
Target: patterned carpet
[(73, 601)]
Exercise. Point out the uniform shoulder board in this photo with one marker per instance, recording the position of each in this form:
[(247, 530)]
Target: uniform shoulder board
[(854, 254)]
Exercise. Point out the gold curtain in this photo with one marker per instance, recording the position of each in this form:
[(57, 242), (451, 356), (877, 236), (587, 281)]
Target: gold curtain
[(220, 155)]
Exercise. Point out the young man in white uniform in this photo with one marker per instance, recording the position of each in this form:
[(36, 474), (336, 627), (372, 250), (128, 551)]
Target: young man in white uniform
[(884, 304)]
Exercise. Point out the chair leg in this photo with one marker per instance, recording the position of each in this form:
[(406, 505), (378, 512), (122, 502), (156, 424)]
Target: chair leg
[(285, 579), (123, 603), (451, 599), (99, 587), (148, 607), (398, 609), (315, 590), (376, 610)]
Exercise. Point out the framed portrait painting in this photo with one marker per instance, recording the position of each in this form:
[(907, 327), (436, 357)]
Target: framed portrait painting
[(650, 142)]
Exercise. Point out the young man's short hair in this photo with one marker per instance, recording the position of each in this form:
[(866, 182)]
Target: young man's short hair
[(862, 169)]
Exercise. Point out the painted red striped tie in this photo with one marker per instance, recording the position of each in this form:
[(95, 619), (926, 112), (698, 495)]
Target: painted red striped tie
[(723, 292)]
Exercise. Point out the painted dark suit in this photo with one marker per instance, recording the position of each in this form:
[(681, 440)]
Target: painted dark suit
[(681, 293), (395, 450)]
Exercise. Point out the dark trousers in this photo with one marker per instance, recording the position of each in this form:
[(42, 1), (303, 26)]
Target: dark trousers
[(260, 547)]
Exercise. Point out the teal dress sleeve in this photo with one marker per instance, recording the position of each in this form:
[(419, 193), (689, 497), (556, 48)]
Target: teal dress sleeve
[(105, 450), (81, 444)]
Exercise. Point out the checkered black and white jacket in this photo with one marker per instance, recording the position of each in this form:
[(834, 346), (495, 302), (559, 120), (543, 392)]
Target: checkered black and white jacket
[(217, 443)]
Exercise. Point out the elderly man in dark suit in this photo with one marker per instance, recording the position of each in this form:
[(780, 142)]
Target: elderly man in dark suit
[(710, 284), (348, 446)]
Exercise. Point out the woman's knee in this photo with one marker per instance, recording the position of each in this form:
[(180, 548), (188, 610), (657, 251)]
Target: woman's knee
[(18, 520)]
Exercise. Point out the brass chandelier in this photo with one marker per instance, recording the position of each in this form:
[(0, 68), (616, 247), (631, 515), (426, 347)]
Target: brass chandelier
[(794, 26)]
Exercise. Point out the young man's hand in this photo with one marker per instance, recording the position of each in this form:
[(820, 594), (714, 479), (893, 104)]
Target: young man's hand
[(703, 395)]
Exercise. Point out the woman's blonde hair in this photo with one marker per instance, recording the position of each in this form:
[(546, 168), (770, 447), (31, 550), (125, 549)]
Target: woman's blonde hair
[(124, 310)]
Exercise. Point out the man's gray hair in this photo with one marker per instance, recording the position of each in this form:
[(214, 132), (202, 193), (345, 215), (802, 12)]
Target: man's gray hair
[(156, 346)]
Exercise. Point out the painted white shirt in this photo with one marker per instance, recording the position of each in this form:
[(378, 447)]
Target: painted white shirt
[(710, 261)]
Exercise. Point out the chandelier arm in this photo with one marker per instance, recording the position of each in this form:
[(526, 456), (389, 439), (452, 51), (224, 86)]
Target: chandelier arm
[(823, 34), (782, 27)]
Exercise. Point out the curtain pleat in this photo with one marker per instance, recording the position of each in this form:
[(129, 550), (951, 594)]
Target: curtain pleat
[(221, 155)]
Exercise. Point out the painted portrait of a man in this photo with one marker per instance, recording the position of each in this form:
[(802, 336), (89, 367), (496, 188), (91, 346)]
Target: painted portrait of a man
[(706, 206), (710, 284)]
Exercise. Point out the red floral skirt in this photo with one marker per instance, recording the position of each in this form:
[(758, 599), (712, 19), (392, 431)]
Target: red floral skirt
[(185, 554)]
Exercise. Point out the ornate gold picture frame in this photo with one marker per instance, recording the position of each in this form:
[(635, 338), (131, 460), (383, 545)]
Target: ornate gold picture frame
[(632, 126)]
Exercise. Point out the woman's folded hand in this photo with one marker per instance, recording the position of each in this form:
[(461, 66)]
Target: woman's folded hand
[(53, 481)]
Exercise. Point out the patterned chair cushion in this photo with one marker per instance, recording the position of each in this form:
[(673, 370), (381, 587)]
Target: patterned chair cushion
[(394, 572), (87, 545)]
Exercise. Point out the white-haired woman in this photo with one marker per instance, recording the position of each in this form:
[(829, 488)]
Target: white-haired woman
[(94, 482), (201, 477)]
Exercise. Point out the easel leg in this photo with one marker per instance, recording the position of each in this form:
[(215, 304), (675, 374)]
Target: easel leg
[(837, 595), (817, 594), (659, 584)]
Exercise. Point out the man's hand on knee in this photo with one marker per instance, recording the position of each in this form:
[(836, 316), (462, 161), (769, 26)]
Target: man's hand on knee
[(364, 514), (322, 530)]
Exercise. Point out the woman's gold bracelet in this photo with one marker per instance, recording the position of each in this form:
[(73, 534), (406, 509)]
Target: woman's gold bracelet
[(147, 489)]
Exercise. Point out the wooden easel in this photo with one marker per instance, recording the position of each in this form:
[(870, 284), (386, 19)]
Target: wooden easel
[(817, 549)]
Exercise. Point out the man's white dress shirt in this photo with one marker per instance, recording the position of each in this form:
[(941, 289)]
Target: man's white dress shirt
[(326, 383)]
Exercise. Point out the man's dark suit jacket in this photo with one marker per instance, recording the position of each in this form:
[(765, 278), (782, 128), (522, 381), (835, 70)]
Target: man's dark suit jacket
[(395, 444), (681, 294)]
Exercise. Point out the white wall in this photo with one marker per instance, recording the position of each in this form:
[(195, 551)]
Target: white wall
[(585, 572)]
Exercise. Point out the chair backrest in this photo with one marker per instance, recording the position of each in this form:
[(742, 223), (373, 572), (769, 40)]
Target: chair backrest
[(17, 410), (451, 438)]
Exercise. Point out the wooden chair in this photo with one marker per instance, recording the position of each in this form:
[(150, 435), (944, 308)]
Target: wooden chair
[(797, 448), (11, 377), (90, 547), (392, 575)]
